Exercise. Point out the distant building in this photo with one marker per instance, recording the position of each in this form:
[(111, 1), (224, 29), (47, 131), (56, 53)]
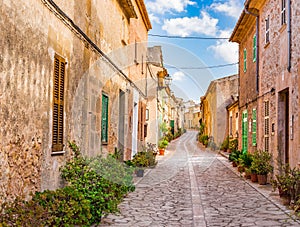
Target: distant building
[(219, 95)]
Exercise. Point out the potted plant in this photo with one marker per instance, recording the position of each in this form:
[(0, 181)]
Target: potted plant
[(162, 144), (233, 145), (224, 146), (245, 160), (141, 160), (234, 157), (288, 183), (261, 164)]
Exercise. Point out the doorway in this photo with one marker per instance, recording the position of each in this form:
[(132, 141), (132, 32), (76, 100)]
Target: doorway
[(283, 126)]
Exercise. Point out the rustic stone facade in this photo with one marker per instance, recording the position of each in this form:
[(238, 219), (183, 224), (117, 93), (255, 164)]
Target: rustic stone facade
[(90, 38), (245, 35), (219, 95), (278, 94)]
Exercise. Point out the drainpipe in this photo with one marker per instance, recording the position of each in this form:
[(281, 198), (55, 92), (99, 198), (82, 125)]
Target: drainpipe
[(289, 35), (257, 44)]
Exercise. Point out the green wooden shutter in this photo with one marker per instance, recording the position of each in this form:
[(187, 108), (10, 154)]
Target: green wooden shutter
[(245, 60), (58, 104), (254, 48), (254, 127), (104, 120), (245, 131)]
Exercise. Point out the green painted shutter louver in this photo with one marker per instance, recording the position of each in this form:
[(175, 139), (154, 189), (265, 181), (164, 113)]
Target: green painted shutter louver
[(245, 131), (104, 119), (254, 48), (254, 127)]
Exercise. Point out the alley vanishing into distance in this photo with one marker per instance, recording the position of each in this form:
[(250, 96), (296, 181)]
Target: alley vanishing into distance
[(192, 186)]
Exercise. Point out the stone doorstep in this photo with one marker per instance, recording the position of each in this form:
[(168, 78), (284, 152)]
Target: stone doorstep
[(265, 190)]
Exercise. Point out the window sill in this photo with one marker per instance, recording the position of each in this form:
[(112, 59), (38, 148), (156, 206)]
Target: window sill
[(56, 153), (267, 44), (283, 27)]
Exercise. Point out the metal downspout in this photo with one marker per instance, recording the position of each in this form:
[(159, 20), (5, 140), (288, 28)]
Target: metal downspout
[(289, 35)]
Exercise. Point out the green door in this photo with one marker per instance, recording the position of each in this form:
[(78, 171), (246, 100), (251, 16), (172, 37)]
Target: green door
[(244, 131)]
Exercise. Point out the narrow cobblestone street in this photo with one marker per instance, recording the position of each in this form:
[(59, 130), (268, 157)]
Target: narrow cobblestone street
[(192, 186)]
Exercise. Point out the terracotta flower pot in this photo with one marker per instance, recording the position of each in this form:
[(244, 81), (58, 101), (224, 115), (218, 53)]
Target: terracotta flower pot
[(161, 151), (254, 177), (262, 179)]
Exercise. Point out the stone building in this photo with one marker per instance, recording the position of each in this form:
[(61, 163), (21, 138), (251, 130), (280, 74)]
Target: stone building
[(70, 70), (191, 115), (278, 54), (246, 36), (219, 95)]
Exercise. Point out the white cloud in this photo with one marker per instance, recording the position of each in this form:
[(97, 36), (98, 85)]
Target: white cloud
[(231, 8), (166, 6), (178, 76), (154, 19), (224, 49), (206, 25)]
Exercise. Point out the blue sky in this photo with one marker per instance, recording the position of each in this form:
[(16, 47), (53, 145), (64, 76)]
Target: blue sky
[(200, 18)]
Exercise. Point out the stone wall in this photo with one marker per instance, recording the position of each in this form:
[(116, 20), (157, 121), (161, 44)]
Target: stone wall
[(31, 36)]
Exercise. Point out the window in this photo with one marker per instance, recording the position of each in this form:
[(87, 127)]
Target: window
[(267, 125), (245, 60), (267, 30), (58, 104), (283, 12), (254, 127), (254, 48), (104, 119)]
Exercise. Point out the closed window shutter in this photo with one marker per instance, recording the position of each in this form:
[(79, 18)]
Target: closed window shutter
[(245, 131), (58, 104), (254, 127), (104, 120), (254, 48)]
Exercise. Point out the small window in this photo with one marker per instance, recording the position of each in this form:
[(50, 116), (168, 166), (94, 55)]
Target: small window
[(245, 60), (267, 30), (58, 104), (283, 12), (267, 125), (104, 120), (254, 48)]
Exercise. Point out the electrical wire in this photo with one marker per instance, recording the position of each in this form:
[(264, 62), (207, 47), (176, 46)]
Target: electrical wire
[(186, 37), (206, 67)]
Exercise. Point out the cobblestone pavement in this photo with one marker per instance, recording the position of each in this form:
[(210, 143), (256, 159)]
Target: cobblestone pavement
[(192, 186)]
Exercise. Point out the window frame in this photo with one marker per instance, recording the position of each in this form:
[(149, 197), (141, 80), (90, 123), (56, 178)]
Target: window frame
[(267, 32), (283, 12)]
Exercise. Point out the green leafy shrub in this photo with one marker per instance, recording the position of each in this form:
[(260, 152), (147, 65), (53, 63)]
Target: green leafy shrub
[(261, 163), (61, 207), (234, 156), (144, 159), (95, 187), (233, 145), (204, 139), (162, 144), (225, 145), (245, 159)]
